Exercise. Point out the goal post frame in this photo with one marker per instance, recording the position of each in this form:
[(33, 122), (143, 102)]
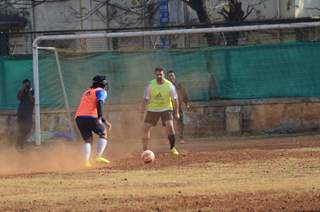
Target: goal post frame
[(65, 97), (36, 47)]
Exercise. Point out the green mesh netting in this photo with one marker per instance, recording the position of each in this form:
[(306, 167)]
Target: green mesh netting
[(251, 72)]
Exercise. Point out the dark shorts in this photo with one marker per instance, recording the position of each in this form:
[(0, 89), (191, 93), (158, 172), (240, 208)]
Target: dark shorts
[(88, 125), (153, 117)]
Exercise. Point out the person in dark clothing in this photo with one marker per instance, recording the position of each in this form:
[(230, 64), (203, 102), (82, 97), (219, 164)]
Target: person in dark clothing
[(25, 110), (183, 98)]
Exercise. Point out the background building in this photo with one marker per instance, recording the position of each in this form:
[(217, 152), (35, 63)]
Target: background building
[(69, 16)]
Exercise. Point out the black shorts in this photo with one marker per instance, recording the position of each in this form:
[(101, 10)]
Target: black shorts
[(87, 125), (153, 117)]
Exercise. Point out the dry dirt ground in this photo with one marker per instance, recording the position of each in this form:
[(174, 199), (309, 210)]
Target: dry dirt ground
[(211, 174)]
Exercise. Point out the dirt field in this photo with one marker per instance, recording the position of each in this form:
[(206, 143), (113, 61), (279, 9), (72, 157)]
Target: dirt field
[(212, 174)]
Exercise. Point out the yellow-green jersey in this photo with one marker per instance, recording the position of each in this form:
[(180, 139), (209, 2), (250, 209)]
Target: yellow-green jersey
[(160, 96)]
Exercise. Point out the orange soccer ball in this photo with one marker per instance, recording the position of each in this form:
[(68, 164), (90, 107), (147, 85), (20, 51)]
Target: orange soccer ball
[(147, 156)]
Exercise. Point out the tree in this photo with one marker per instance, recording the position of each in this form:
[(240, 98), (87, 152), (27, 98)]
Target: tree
[(199, 6), (232, 13), (204, 16)]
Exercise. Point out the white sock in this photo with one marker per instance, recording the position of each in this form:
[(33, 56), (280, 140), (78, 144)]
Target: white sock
[(101, 145), (86, 151)]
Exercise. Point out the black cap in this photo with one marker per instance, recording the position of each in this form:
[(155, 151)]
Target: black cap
[(100, 79), (25, 81)]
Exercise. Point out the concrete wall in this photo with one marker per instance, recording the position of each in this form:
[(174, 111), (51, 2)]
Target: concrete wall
[(307, 8), (84, 14), (270, 9), (213, 118)]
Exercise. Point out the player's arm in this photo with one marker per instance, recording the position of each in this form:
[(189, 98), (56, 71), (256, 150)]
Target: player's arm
[(144, 105), (100, 109), (101, 97), (175, 101), (176, 107), (146, 97)]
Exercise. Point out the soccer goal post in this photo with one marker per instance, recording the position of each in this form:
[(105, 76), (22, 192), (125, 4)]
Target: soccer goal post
[(220, 34)]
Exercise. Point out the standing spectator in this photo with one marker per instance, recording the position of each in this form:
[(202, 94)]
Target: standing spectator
[(25, 110), (183, 98)]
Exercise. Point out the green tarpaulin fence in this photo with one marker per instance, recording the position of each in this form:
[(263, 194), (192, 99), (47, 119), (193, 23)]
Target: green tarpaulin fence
[(250, 72)]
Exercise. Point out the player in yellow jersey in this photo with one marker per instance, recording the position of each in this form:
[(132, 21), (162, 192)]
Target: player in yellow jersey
[(160, 101)]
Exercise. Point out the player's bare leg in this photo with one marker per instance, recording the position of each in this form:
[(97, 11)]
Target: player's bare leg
[(101, 146), (146, 135), (171, 136), (87, 153)]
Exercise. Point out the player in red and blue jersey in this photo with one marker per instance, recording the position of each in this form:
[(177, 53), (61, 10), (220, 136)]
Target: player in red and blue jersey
[(89, 118)]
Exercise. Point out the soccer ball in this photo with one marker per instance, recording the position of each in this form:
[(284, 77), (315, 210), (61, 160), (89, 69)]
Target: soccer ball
[(147, 156)]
